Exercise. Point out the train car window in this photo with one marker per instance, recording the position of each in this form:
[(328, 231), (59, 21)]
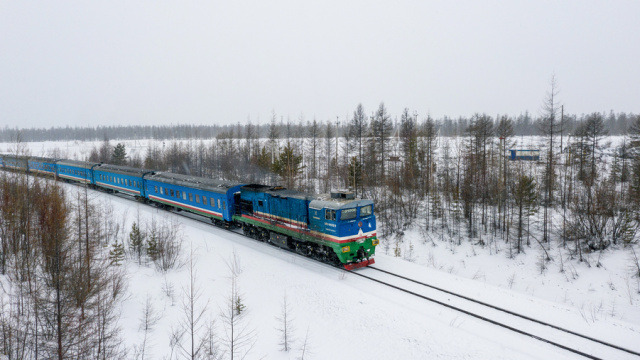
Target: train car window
[(219, 207), (190, 197), (198, 198), (260, 203), (204, 200), (330, 215), (129, 182), (348, 214), (184, 195), (365, 211), (171, 192), (178, 194), (213, 202), (224, 205), (155, 188), (161, 190)]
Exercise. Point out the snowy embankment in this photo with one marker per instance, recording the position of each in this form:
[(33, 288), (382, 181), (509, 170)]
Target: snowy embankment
[(346, 316)]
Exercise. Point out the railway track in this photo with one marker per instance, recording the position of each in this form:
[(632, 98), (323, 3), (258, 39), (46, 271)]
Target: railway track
[(566, 339)]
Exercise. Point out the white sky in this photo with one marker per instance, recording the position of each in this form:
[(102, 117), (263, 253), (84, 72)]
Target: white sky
[(203, 62)]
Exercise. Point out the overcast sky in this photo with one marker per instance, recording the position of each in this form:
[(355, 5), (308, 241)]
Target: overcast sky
[(203, 62)]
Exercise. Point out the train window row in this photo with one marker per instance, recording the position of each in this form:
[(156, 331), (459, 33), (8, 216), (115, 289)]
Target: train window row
[(71, 172), (119, 181), (183, 195)]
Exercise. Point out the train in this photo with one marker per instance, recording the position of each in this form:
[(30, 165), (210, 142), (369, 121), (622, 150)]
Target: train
[(335, 228)]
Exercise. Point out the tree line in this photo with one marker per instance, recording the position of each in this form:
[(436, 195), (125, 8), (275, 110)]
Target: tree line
[(523, 125)]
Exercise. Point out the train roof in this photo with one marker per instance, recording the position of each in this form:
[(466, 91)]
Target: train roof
[(326, 201), (214, 185), (123, 170), (28, 157), (279, 191), (39, 158), (77, 163)]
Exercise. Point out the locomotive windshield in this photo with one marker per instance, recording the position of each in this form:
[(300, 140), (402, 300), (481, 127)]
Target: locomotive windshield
[(348, 214), (365, 211)]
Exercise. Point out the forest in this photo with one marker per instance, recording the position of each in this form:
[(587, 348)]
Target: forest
[(582, 194)]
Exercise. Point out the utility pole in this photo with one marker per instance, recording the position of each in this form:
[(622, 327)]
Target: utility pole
[(561, 125), (337, 130)]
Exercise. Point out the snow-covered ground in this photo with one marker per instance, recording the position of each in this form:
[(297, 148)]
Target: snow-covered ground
[(348, 317), (343, 316)]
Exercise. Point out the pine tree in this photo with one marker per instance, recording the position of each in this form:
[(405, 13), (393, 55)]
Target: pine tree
[(152, 245), (136, 241), (524, 195), (119, 156), (116, 254), (288, 165)]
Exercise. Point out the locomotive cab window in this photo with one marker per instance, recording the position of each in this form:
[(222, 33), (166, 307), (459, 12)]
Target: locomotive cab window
[(348, 214), (366, 210), (330, 215)]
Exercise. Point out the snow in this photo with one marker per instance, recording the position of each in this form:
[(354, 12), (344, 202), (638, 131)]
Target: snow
[(350, 317)]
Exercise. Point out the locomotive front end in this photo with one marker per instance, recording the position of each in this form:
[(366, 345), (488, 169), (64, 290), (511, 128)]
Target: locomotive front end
[(349, 225)]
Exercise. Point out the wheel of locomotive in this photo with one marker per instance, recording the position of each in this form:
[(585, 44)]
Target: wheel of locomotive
[(264, 235), (303, 249), (321, 254)]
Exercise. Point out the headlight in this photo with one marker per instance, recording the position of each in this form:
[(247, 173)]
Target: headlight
[(345, 249), (375, 242)]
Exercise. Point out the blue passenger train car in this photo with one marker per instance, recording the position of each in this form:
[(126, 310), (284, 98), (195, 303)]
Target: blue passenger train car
[(208, 197), (74, 170), (124, 179), (531, 155), (14, 162), (41, 165)]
